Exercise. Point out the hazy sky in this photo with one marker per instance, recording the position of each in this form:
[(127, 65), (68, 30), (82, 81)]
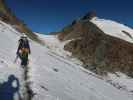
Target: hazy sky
[(52, 15)]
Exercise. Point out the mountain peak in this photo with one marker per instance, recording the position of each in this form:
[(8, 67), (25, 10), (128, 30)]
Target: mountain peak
[(89, 15)]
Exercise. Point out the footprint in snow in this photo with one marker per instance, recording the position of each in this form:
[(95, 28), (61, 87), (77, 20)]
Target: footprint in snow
[(55, 69), (1, 61), (44, 88)]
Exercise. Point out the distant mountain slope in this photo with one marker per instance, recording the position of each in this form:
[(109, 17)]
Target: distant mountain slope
[(114, 29), (104, 44), (7, 16)]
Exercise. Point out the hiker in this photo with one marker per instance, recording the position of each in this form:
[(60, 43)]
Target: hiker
[(23, 50)]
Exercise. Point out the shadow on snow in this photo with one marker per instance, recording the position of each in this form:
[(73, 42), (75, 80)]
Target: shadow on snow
[(9, 88)]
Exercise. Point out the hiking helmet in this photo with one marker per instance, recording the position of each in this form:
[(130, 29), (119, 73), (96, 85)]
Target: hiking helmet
[(23, 35)]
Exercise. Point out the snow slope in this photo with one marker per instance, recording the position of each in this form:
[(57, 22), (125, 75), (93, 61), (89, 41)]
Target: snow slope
[(56, 46), (8, 44), (115, 29), (53, 43), (57, 79), (52, 77), (121, 81)]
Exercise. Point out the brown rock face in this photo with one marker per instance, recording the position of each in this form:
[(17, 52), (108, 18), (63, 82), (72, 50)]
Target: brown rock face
[(94, 48)]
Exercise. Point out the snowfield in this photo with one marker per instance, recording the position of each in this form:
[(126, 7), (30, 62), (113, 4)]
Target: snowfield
[(121, 81), (56, 46), (114, 29), (51, 77)]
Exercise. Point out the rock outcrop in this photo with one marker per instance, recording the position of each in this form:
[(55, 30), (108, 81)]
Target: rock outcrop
[(94, 48)]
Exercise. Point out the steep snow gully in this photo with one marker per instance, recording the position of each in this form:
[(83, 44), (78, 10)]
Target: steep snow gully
[(48, 76)]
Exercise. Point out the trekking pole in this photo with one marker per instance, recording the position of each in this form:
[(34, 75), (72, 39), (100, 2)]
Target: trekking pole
[(16, 59)]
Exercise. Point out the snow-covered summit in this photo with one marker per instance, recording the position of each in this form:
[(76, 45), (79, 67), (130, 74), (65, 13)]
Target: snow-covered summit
[(114, 29)]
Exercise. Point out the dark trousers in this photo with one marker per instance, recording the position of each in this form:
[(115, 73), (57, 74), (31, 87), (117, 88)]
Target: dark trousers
[(24, 59), (24, 62)]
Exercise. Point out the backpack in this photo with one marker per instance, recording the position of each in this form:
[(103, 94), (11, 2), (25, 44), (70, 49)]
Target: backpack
[(24, 48), (24, 43)]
